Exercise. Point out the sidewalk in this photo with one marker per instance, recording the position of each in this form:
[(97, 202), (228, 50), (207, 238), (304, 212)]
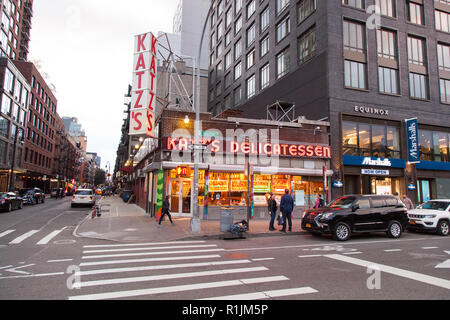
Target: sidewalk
[(124, 222)]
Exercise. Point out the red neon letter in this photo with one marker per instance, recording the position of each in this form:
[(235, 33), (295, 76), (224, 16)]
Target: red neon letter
[(141, 39)]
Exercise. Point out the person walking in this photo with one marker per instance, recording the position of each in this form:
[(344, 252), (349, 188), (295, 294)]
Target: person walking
[(272, 206), (286, 208), (319, 202), (165, 210), (408, 203)]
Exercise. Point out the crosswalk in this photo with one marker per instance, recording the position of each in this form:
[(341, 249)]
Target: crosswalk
[(36, 237), (188, 269)]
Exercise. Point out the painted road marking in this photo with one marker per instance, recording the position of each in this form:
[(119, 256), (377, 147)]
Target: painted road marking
[(47, 239), (438, 282), (23, 237), (166, 277), (148, 253), (189, 287), (263, 259), (34, 275), (393, 250), (351, 253), (266, 294), (6, 233), (149, 248), (62, 260), (97, 263), (311, 256), (141, 244), (161, 267), (429, 248)]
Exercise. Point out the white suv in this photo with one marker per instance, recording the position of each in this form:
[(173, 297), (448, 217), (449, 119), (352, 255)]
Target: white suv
[(433, 215)]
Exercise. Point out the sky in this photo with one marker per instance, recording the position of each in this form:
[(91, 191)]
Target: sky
[(86, 49)]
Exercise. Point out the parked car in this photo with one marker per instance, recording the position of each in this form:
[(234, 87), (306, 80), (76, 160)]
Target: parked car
[(358, 214), (432, 216), (32, 196), (10, 201), (58, 191), (84, 197)]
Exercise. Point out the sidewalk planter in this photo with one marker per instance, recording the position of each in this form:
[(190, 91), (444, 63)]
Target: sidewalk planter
[(226, 219)]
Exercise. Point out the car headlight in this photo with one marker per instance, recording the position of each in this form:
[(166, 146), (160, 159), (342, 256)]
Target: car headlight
[(327, 215)]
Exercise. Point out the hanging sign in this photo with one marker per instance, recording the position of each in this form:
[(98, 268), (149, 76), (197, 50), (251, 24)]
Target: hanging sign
[(412, 133)]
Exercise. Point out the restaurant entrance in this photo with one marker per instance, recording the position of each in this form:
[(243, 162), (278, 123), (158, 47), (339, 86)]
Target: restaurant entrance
[(181, 197)]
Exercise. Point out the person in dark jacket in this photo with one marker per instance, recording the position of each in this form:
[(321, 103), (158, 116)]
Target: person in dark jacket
[(286, 208), (165, 210), (272, 206)]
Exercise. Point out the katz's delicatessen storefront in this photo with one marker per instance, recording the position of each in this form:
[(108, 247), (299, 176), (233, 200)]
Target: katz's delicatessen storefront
[(283, 155)]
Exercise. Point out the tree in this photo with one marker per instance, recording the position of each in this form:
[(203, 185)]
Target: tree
[(99, 177)]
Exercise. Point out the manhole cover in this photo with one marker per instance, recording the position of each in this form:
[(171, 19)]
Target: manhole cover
[(68, 241), (236, 256)]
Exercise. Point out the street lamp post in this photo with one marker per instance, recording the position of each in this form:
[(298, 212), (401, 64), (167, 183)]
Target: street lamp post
[(195, 222)]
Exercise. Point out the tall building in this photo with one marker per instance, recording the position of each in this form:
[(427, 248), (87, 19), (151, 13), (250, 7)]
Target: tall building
[(40, 132), (73, 128), (15, 28), (15, 93), (330, 60)]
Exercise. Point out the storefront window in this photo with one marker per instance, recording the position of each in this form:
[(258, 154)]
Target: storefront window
[(219, 189), (366, 140), (434, 146)]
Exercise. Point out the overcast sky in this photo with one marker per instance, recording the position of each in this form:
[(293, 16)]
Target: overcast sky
[(86, 48)]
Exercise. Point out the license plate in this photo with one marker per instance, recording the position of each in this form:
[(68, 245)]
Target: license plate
[(308, 225), (82, 198)]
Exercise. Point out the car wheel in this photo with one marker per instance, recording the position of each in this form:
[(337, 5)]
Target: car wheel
[(394, 230), (21, 205), (342, 232), (9, 208), (443, 228)]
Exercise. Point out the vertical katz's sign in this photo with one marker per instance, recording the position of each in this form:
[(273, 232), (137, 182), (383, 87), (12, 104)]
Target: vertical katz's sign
[(143, 96), (413, 142)]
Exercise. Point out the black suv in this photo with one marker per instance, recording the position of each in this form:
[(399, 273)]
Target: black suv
[(358, 213)]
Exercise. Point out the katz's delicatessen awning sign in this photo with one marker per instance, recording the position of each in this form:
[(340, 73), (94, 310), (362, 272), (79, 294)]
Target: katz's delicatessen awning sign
[(143, 96)]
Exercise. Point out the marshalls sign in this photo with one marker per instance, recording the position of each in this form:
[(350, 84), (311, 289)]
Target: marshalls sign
[(143, 96)]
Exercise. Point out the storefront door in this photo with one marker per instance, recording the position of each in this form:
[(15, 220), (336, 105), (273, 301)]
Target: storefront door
[(181, 197), (424, 190)]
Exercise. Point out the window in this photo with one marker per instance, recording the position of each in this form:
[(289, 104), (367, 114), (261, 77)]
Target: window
[(388, 80), (251, 58), (237, 96), (237, 49), (264, 76), (282, 63), (3, 148), (264, 46), (6, 104), (251, 35), (354, 39), (9, 81), (370, 140), (251, 86), (219, 31), (386, 44), (415, 13), (228, 18), (238, 25), (354, 3), (305, 8), (283, 29), (238, 71), (434, 146), (442, 21), (307, 45), (228, 60), (443, 56), (355, 75), (4, 127), (237, 5), (265, 19), (445, 90), (281, 5), (418, 84), (251, 8), (387, 7)]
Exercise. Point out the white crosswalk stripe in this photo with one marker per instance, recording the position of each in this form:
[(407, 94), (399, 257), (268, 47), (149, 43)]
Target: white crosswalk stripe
[(120, 271), (30, 235)]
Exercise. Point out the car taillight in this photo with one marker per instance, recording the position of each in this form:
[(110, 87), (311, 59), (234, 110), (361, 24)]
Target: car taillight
[(73, 198), (90, 198), (3, 201)]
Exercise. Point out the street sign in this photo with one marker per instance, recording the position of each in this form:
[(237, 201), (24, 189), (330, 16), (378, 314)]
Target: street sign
[(197, 147)]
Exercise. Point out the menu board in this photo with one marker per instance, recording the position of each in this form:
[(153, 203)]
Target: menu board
[(261, 186), (239, 186), (280, 185), (218, 186)]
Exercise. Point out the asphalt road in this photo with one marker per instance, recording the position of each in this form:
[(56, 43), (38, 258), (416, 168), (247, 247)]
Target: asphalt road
[(42, 260)]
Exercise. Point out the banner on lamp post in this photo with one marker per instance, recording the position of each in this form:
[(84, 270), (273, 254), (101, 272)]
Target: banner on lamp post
[(143, 94)]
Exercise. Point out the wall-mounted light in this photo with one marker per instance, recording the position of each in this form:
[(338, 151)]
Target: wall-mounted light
[(186, 119)]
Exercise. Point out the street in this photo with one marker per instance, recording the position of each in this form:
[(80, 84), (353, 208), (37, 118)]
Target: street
[(40, 259)]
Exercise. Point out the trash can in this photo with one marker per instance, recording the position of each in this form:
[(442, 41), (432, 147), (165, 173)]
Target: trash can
[(226, 219)]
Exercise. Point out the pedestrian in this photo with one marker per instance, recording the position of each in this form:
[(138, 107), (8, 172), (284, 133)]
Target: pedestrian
[(165, 210), (286, 208), (408, 203), (272, 206), (320, 203)]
